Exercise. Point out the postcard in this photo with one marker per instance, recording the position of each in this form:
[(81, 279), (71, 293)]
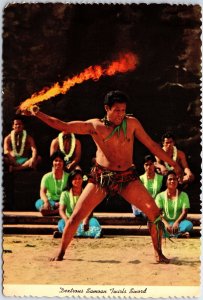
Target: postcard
[(101, 143)]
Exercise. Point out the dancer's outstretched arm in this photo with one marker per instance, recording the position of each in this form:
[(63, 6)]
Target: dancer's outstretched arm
[(78, 127)]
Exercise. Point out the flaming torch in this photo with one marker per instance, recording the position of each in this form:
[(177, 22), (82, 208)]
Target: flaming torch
[(126, 62)]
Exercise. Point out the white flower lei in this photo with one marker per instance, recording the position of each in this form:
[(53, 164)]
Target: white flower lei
[(60, 189), (13, 143), (174, 158), (72, 198), (166, 205), (72, 147), (154, 184)]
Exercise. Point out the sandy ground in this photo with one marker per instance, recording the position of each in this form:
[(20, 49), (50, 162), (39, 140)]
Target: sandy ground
[(120, 260)]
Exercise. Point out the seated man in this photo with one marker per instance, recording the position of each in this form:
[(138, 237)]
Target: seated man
[(20, 151), (70, 147), (52, 185), (178, 156), (151, 180)]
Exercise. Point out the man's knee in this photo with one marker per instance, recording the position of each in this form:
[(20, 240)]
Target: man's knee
[(151, 210), (153, 215)]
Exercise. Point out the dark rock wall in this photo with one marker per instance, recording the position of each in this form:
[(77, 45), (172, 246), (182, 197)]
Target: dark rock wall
[(46, 43)]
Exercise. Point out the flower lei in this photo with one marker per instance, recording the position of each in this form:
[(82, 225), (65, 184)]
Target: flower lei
[(121, 127), (56, 188), (166, 205), (174, 158), (13, 143), (73, 199), (72, 146), (154, 184)]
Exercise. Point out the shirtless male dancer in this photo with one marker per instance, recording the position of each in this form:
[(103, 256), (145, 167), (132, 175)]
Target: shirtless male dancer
[(114, 169)]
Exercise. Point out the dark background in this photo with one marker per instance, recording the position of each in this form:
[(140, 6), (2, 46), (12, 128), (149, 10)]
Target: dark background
[(47, 43)]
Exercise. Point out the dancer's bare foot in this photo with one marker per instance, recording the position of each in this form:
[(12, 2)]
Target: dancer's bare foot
[(58, 257), (161, 259)]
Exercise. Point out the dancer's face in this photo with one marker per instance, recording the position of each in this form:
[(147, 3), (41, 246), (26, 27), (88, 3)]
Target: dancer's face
[(18, 126), (172, 181), (77, 181), (168, 144), (116, 113)]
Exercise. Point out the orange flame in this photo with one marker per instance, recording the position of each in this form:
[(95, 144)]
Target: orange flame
[(126, 62)]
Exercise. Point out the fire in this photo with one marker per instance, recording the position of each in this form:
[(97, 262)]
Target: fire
[(126, 62)]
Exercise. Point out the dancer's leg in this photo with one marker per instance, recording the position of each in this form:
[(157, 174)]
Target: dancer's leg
[(136, 194), (88, 200)]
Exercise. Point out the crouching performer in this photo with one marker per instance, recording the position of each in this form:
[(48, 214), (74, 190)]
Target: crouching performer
[(114, 170)]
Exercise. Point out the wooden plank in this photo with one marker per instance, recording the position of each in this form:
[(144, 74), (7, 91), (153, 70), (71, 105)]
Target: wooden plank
[(103, 218), (106, 229)]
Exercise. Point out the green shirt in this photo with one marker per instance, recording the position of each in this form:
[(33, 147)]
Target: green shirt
[(172, 209), (54, 187), (150, 184), (69, 202)]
